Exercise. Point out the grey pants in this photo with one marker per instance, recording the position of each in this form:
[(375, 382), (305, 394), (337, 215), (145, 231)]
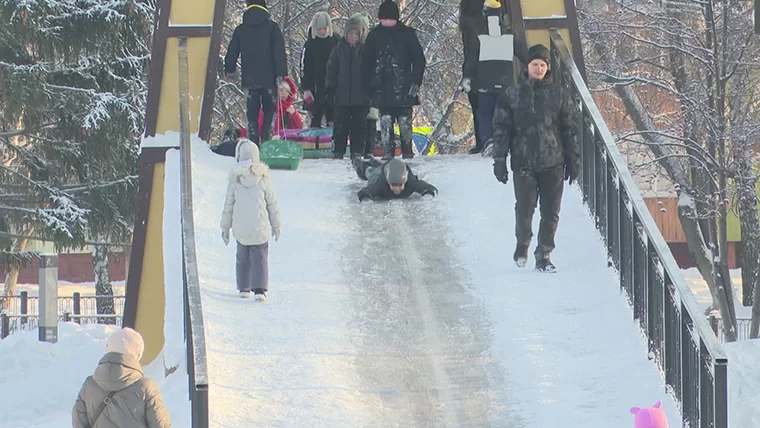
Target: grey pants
[(252, 267), (530, 188)]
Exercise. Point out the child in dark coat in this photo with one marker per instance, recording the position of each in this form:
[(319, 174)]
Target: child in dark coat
[(393, 67), (344, 86), (321, 41), (261, 46)]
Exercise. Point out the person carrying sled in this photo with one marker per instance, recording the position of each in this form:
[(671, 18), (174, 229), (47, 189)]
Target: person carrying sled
[(321, 41), (118, 394), (392, 179), (286, 116), (252, 211), (344, 88), (393, 67), (487, 70), (261, 46), (536, 123)]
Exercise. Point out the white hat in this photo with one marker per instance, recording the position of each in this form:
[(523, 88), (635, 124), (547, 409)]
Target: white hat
[(126, 341)]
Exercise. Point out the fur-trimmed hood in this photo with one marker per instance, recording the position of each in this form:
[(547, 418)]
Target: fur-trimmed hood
[(250, 170)]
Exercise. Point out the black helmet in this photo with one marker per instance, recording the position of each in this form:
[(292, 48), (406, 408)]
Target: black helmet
[(395, 172)]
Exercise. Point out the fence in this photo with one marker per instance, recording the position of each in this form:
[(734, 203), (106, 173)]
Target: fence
[(21, 311), (679, 338), (742, 327), (195, 336)]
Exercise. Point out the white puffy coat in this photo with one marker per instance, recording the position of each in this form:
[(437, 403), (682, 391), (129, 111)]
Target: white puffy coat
[(250, 207)]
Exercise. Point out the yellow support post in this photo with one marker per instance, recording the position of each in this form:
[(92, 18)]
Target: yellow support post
[(200, 21)]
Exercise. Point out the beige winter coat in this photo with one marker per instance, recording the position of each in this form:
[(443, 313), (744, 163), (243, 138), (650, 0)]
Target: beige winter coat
[(138, 403), (251, 207)]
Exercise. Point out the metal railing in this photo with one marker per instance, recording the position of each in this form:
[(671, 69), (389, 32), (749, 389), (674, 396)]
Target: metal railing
[(680, 340), (195, 336)]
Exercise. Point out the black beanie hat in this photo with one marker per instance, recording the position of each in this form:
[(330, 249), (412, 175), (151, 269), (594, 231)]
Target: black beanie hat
[(262, 3), (538, 52), (388, 10)]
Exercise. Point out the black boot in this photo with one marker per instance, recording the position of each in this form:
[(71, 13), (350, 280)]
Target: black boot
[(545, 265), (475, 150), (521, 255), (360, 166)]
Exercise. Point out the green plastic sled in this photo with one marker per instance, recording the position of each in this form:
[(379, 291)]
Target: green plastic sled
[(281, 154)]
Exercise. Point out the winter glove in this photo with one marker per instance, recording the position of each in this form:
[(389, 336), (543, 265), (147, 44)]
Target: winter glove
[(414, 90), (276, 234), (330, 95), (226, 236), (308, 96), (466, 85), (571, 171), (430, 192), (500, 169)]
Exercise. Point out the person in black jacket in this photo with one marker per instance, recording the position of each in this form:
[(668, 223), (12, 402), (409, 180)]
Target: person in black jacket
[(393, 66), (321, 41), (344, 88), (259, 43), (536, 124), (393, 179), (487, 70)]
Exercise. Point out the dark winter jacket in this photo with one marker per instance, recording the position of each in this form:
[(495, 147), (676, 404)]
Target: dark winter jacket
[(537, 124), (472, 24), (392, 62), (316, 54), (378, 188), (344, 76), (259, 43)]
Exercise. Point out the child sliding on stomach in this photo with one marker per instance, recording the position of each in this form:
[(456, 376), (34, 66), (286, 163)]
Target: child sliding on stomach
[(252, 211)]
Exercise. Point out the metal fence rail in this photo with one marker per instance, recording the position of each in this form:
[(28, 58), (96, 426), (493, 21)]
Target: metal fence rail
[(680, 340), (195, 336)]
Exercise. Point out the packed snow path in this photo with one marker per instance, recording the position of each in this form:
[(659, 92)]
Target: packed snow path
[(412, 313)]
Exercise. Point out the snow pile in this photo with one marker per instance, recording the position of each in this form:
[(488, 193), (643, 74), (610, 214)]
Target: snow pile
[(174, 330), (39, 381), (743, 383)]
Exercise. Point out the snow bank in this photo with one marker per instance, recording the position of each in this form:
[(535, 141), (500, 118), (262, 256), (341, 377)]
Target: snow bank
[(39, 382), (174, 334), (743, 383)]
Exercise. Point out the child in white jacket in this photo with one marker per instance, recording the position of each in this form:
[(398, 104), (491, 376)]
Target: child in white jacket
[(252, 211)]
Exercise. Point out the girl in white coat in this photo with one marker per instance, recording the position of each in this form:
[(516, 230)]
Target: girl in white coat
[(252, 211)]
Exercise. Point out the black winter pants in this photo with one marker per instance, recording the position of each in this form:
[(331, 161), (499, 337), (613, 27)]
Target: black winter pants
[(402, 116), (320, 108), (252, 266), (371, 136), (260, 98), (350, 120), (546, 188)]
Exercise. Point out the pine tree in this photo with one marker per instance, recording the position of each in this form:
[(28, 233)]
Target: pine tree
[(71, 112)]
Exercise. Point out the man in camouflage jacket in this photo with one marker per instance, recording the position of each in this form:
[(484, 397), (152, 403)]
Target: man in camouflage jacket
[(536, 123)]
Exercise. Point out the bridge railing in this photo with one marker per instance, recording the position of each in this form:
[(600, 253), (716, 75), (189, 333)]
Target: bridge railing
[(680, 340), (195, 336)]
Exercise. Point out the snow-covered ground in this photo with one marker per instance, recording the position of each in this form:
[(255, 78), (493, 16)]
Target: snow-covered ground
[(39, 382), (411, 313), (392, 314)]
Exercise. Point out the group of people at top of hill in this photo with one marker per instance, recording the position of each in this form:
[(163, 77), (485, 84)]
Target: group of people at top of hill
[(532, 120), (343, 78)]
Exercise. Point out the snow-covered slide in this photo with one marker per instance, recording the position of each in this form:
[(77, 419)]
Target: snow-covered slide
[(412, 313)]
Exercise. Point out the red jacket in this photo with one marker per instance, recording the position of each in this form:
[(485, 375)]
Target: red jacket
[(283, 119)]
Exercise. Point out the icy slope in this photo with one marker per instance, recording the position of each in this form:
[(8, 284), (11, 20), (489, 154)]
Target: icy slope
[(412, 313)]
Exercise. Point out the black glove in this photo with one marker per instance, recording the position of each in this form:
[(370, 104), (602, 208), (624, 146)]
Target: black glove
[(330, 96), (414, 90), (364, 196), (430, 192), (571, 171), (500, 169)]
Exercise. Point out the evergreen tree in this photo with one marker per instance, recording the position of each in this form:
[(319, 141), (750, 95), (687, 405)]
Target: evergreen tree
[(71, 112)]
